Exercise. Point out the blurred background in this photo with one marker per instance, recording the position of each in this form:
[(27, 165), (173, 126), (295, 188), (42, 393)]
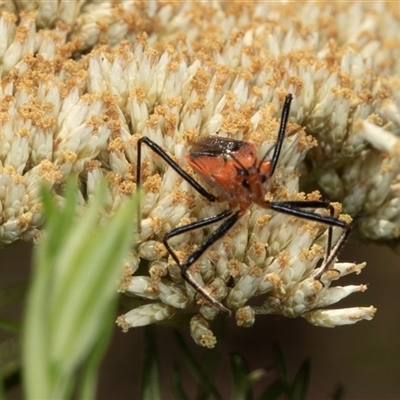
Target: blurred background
[(364, 358)]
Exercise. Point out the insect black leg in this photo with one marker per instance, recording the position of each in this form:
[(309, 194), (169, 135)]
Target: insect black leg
[(159, 151), (296, 208), (210, 240)]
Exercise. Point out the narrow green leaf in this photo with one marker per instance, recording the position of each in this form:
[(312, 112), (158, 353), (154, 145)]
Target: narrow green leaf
[(72, 295), (87, 389), (210, 359), (57, 221), (36, 337), (88, 275), (280, 363), (10, 326), (239, 371), (177, 387), (150, 383), (195, 367), (301, 381), (274, 391), (10, 360), (254, 376)]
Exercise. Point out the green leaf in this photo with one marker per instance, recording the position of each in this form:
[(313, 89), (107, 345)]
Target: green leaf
[(150, 384), (90, 368), (274, 391), (239, 371), (210, 359), (10, 326), (196, 369), (73, 294), (280, 363), (301, 381), (177, 388), (10, 357)]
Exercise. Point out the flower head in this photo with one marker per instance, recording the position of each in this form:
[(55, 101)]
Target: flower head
[(180, 71)]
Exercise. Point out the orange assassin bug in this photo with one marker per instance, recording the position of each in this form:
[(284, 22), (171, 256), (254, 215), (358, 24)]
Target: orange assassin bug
[(232, 168)]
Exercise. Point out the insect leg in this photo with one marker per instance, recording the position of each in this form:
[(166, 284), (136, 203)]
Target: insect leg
[(210, 240), (296, 208), (159, 151)]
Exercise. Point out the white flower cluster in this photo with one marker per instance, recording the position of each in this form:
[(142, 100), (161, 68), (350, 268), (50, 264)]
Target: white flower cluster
[(202, 68)]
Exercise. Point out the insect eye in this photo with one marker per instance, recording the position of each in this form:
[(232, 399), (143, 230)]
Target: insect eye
[(263, 178), (246, 184)]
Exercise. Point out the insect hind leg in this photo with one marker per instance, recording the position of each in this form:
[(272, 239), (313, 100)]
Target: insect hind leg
[(297, 209), (230, 219)]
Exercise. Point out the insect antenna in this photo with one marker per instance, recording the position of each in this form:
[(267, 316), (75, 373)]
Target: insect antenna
[(281, 135)]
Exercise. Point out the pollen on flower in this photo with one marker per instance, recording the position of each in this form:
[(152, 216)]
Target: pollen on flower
[(116, 145), (255, 271), (200, 332), (158, 269), (125, 279), (66, 156), (362, 288), (228, 243), (186, 198), (346, 218), (245, 317), (159, 250), (156, 272), (114, 179), (329, 275), (306, 255), (283, 259), (24, 220), (263, 220), (156, 225), (48, 171), (153, 183), (123, 323), (190, 136), (234, 267), (258, 248)]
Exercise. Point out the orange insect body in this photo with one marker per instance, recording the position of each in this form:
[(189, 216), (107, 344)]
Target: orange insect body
[(233, 168)]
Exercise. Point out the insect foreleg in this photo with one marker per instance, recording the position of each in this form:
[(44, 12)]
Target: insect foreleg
[(159, 151)]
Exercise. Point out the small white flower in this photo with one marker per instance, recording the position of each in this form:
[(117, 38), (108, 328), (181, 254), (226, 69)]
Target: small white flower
[(141, 286), (145, 315), (200, 332), (346, 316), (174, 296), (245, 316)]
